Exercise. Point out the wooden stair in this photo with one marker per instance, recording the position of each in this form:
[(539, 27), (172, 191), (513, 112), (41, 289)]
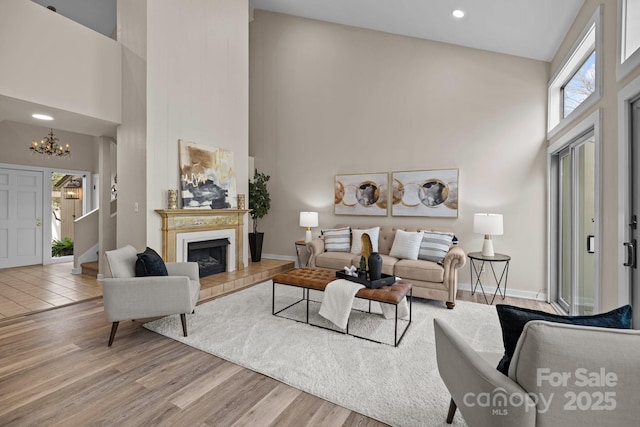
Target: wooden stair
[(90, 269)]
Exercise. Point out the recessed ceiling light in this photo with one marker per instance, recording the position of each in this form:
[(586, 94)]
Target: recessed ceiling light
[(41, 117), (458, 13)]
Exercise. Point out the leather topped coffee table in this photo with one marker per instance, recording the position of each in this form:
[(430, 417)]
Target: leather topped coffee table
[(318, 279)]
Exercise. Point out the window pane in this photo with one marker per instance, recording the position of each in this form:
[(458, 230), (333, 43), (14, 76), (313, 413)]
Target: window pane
[(565, 233), (585, 223), (580, 86), (631, 38)]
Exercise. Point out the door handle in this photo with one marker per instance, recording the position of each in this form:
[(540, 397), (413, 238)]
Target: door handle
[(631, 254)]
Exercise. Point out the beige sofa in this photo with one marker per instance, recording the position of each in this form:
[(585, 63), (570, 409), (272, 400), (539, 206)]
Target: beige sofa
[(560, 375), (430, 280)]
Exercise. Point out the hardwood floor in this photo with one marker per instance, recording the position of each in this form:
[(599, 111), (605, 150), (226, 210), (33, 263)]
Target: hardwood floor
[(519, 302), (56, 370)]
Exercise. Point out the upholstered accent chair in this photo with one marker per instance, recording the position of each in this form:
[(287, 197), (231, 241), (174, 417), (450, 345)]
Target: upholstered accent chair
[(127, 297), (560, 375)]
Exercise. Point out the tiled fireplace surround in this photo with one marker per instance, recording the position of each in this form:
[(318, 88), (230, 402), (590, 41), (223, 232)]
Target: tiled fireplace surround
[(183, 226)]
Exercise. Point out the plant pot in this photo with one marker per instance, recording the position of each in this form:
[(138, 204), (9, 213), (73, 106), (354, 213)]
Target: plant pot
[(255, 246)]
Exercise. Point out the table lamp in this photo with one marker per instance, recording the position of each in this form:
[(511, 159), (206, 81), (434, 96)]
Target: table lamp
[(489, 225), (308, 219)]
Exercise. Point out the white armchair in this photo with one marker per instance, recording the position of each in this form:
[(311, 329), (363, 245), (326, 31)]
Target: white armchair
[(560, 375), (127, 297)]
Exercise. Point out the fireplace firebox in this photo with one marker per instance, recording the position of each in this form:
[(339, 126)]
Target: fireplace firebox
[(211, 256)]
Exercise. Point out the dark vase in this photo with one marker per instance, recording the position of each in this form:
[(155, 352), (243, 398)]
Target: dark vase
[(255, 246), (375, 266)]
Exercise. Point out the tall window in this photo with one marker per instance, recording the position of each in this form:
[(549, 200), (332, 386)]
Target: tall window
[(575, 86)]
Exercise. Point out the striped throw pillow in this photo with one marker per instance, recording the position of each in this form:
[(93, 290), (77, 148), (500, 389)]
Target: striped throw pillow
[(337, 239), (435, 245)]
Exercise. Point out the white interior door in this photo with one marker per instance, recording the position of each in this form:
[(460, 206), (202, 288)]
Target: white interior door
[(20, 217)]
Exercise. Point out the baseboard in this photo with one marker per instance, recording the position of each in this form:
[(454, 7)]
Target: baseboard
[(516, 293), (75, 270), (100, 277)]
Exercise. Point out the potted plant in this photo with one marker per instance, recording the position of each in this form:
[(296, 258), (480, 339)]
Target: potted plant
[(62, 247), (259, 203)]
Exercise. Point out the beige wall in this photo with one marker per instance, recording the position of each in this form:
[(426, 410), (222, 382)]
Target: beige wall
[(132, 133), (15, 140), (60, 63), (328, 99), (609, 148)]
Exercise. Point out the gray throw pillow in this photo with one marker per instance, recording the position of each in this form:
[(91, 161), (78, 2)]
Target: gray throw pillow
[(337, 239), (435, 245)]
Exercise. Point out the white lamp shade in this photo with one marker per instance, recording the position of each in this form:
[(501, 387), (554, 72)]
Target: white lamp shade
[(487, 224), (308, 219)]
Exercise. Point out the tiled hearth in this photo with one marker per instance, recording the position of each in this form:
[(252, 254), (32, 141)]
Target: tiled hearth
[(255, 272)]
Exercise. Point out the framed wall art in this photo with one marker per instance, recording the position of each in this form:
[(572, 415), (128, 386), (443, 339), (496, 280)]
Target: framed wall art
[(207, 177), (361, 194), (425, 193)]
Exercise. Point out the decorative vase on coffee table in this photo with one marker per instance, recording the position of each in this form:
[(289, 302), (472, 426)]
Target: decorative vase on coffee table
[(375, 266)]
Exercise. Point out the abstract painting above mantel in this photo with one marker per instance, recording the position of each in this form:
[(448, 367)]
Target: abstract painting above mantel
[(207, 177), (361, 194), (425, 193)]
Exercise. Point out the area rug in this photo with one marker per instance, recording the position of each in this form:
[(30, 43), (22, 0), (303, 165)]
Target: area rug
[(399, 386)]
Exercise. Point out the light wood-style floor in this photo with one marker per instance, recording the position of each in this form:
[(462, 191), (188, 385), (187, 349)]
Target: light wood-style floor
[(56, 370)]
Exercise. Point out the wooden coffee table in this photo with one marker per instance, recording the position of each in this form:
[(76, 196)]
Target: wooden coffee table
[(318, 279)]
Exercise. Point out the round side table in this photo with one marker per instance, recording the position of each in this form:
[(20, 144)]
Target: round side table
[(476, 265)]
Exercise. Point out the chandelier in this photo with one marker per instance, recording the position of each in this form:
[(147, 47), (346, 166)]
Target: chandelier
[(49, 146)]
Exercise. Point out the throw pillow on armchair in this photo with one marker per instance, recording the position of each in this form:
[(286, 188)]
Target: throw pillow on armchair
[(149, 263), (512, 321)]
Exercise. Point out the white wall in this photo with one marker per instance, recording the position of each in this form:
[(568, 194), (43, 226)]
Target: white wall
[(197, 90), (62, 63), (328, 99)]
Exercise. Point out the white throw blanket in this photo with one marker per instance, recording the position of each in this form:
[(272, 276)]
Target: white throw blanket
[(389, 310), (337, 301)]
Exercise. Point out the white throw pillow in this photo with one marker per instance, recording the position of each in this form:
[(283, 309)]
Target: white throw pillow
[(406, 244), (435, 245), (356, 239), (122, 261), (337, 239)]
